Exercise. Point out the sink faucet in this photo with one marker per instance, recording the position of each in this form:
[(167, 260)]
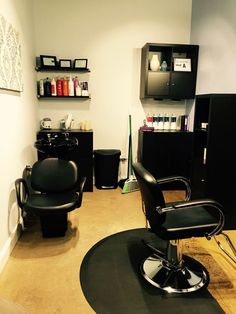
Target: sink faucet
[(66, 134)]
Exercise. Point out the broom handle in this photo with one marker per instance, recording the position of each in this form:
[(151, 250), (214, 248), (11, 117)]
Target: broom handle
[(128, 170), (131, 149)]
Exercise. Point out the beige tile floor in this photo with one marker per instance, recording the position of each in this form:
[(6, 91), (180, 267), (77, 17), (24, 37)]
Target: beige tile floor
[(42, 275)]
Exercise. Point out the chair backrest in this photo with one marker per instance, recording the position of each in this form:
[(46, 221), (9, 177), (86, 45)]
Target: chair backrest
[(52, 175), (152, 196)]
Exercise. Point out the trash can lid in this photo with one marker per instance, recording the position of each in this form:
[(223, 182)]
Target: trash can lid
[(107, 152)]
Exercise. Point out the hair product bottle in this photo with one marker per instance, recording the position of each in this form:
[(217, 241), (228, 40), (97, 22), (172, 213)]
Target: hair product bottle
[(78, 91), (166, 122), (41, 88), (173, 122), (160, 122), (59, 87), (53, 87), (65, 88), (84, 87), (47, 87), (149, 120), (71, 87)]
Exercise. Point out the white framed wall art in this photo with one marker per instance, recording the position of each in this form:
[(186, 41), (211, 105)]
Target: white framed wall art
[(10, 57)]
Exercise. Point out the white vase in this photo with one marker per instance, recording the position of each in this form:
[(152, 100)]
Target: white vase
[(155, 63)]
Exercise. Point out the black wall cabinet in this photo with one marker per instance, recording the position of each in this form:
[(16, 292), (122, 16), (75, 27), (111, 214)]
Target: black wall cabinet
[(82, 154), (214, 168), (170, 84)]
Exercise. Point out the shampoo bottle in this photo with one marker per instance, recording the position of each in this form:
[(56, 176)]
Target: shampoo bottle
[(41, 88), (173, 122), (47, 87), (53, 87), (149, 120), (59, 87), (71, 87), (155, 121), (65, 87), (78, 91), (160, 122), (166, 122)]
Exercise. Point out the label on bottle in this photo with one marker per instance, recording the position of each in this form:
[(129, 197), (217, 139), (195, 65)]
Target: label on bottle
[(53, 89), (59, 87), (65, 88), (76, 82)]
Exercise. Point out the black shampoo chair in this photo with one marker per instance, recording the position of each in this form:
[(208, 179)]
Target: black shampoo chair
[(170, 270), (52, 190)]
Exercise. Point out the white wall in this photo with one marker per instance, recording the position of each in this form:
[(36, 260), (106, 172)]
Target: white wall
[(214, 29), (18, 113), (110, 34)]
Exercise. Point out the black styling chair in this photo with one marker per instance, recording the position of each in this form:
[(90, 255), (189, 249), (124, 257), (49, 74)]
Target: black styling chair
[(170, 270), (51, 191)]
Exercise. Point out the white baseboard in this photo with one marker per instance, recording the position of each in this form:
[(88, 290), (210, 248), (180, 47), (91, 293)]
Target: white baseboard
[(9, 245)]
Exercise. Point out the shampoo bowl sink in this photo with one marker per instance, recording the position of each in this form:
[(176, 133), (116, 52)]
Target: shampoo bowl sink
[(56, 146)]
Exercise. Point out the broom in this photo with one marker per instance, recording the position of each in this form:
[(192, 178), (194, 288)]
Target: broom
[(131, 184), (122, 181)]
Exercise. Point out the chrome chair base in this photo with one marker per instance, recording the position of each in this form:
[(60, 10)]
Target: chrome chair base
[(190, 276)]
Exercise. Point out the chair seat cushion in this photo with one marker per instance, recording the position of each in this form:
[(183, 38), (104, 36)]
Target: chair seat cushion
[(188, 222), (51, 203)]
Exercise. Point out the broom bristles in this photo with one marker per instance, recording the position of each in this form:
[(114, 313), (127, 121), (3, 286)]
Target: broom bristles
[(130, 185)]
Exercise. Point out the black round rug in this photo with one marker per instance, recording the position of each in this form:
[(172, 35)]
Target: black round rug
[(112, 283)]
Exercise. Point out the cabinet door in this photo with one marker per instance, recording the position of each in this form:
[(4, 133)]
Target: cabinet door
[(219, 111), (158, 83), (167, 154), (182, 85), (199, 164), (83, 156)]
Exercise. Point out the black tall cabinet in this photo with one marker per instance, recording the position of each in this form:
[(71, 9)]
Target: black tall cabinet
[(214, 167)]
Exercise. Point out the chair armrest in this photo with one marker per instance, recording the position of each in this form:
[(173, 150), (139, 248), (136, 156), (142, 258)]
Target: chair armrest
[(22, 192), (185, 181), (202, 202), (184, 205), (80, 191)]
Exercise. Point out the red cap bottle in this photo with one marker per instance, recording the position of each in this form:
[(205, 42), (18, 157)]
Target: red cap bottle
[(59, 87)]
